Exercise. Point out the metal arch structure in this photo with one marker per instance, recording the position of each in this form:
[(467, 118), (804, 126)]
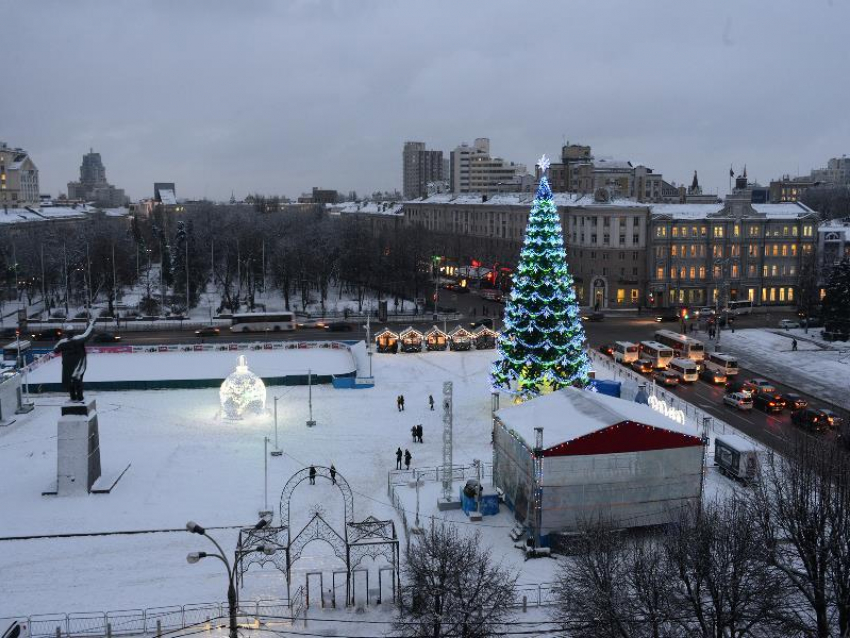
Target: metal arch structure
[(374, 538), (304, 474), (276, 537)]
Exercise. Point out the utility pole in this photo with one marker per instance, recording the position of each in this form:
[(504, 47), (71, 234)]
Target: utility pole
[(186, 259), (276, 451), (310, 423), (114, 276), (88, 286), (44, 303), (65, 266)]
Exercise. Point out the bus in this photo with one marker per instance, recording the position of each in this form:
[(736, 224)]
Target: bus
[(625, 352), (685, 347), (736, 308), (719, 362), (263, 321), (656, 353), (685, 369), (11, 352)]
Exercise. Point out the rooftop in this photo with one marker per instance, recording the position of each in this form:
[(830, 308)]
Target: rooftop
[(569, 414), (26, 214)]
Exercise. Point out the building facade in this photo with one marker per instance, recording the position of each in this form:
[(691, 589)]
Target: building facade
[(18, 177), (93, 186), (833, 247), (837, 172), (420, 167), (709, 254), (473, 170)]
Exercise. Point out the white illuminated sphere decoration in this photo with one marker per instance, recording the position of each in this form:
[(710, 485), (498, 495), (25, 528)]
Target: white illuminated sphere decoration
[(242, 392)]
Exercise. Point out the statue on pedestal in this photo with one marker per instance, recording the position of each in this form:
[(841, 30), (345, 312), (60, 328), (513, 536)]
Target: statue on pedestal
[(73, 350)]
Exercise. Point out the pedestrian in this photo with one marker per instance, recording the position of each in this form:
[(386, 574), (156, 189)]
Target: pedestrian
[(398, 402), (407, 458), (401, 402), (431, 402), (398, 456), (333, 474), (414, 431), (312, 475), (419, 432), (793, 345)]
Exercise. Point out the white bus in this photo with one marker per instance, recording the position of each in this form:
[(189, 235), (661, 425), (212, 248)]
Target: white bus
[(625, 352), (685, 347), (656, 353), (740, 307), (263, 321), (685, 369), (719, 362)]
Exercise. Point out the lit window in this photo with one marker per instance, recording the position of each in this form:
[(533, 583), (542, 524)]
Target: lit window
[(790, 294), (659, 273), (693, 272), (621, 295), (718, 231), (736, 230), (675, 231)]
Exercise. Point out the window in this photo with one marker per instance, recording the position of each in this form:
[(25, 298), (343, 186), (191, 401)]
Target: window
[(675, 231), (659, 252), (718, 231), (604, 271), (693, 251), (736, 231), (790, 294), (793, 250), (735, 274), (775, 250), (635, 295), (753, 249), (674, 250), (635, 270), (621, 295), (717, 251), (784, 250), (622, 255), (634, 256), (702, 272), (736, 250), (807, 230), (754, 230), (764, 271), (751, 270), (659, 273), (660, 231), (606, 239), (785, 231), (718, 272), (672, 273), (635, 239), (684, 231), (794, 231), (693, 272)]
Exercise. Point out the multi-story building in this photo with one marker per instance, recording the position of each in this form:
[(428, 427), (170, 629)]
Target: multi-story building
[(788, 189), (707, 254), (93, 186), (833, 247), (837, 172), (473, 170), (319, 196), (420, 167), (18, 177)]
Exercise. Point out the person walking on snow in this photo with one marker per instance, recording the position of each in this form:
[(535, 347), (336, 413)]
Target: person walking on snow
[(793, 345), (401, 401), (398, 402), (419, 432), (333, 474), (415, 432), (431, 402), (407, 458), (398, 456), (312, 475)]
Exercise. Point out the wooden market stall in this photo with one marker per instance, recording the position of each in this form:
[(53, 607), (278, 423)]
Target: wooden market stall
[(436, 339), (485, 339), (387, 341), (411, 340), (460, 339)]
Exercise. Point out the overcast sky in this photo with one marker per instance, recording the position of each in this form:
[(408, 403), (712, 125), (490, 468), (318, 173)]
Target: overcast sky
[(279, 96)]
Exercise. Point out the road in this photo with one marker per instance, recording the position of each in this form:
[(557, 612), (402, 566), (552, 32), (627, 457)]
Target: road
[(773, 430)]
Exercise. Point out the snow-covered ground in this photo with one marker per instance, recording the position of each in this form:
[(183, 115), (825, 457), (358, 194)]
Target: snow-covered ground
[(817, 367), (187, 463)]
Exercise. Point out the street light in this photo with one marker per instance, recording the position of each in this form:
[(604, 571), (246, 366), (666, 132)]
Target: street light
[(194, 557)]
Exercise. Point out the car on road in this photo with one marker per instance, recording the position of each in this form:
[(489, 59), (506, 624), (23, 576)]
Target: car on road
[(642, 366), (666, 378), (760, 386), (339, 326), (207, 331), (667, 316), (486, 322), (705, 313), (106, 337), (794, 401), (768, 402), (810, 419), (738, 400), (48, 334), (831, 417), (715, 377), (311, 323), (788, 324), (607, 349), (593, 316)]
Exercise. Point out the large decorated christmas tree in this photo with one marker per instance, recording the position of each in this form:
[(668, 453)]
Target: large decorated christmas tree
[(542, 343)]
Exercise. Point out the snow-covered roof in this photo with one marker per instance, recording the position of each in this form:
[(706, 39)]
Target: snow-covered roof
[(790, 210), (520, 199), (785, 209), (612, 164), (368, 208), (569, 413), (44, 213), (167, 197)]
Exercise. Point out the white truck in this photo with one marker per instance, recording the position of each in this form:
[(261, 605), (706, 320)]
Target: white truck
[(737, 457)]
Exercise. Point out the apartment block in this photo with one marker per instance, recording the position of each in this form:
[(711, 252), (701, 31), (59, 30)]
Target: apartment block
[(18, 177), (420, 167)]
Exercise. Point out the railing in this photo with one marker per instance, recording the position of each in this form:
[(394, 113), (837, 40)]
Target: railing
[(150, 621), (436, 475)]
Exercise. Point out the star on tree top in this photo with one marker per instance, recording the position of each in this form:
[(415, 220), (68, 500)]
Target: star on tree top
[(543, 163)]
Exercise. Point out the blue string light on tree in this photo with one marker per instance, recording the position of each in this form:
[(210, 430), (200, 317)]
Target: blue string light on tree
[(542, 342)]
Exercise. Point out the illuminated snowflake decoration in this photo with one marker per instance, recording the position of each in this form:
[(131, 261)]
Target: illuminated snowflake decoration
[(242, 392)]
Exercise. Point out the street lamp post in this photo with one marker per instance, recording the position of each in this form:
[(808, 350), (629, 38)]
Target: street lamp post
[(276, 451), (194, 557)]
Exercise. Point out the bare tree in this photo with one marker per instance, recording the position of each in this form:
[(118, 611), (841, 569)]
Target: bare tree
[(453, 587)]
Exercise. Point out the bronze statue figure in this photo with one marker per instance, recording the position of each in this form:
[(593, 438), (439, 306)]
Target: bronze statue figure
[(73, 350)]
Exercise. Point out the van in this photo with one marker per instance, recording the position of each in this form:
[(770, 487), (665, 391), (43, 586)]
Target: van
[(685, 369), (625, 352), (736, 456)]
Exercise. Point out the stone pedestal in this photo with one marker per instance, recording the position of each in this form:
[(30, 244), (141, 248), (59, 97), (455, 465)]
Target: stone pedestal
[(78, 449)]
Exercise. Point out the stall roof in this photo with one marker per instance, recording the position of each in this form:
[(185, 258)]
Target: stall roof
[(460, 331), (434, 329), (386, 331), (569, 413), (408, 331)]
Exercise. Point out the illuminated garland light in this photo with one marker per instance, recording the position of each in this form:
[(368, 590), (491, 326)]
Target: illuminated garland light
[(541, 347), (242, 392), (669, 411)]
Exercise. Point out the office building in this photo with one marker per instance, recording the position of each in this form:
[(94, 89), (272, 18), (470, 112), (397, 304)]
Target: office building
[(93, 186), (837, 172), (18, 177), (473, 170), (420, 167)]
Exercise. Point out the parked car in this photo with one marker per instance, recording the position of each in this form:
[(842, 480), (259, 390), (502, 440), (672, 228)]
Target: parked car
[(787, 324), (768, 402), (794, 401), (607, 349), (642, 366), (593, 316), (712, 376), (761, 386), (705, 313), (339, 326), (738, 400), (810, 419), (486, 321), (106, 337), (666, 378), (207, 331)]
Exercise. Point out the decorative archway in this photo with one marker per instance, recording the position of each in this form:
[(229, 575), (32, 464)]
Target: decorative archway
[(321, 472)]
